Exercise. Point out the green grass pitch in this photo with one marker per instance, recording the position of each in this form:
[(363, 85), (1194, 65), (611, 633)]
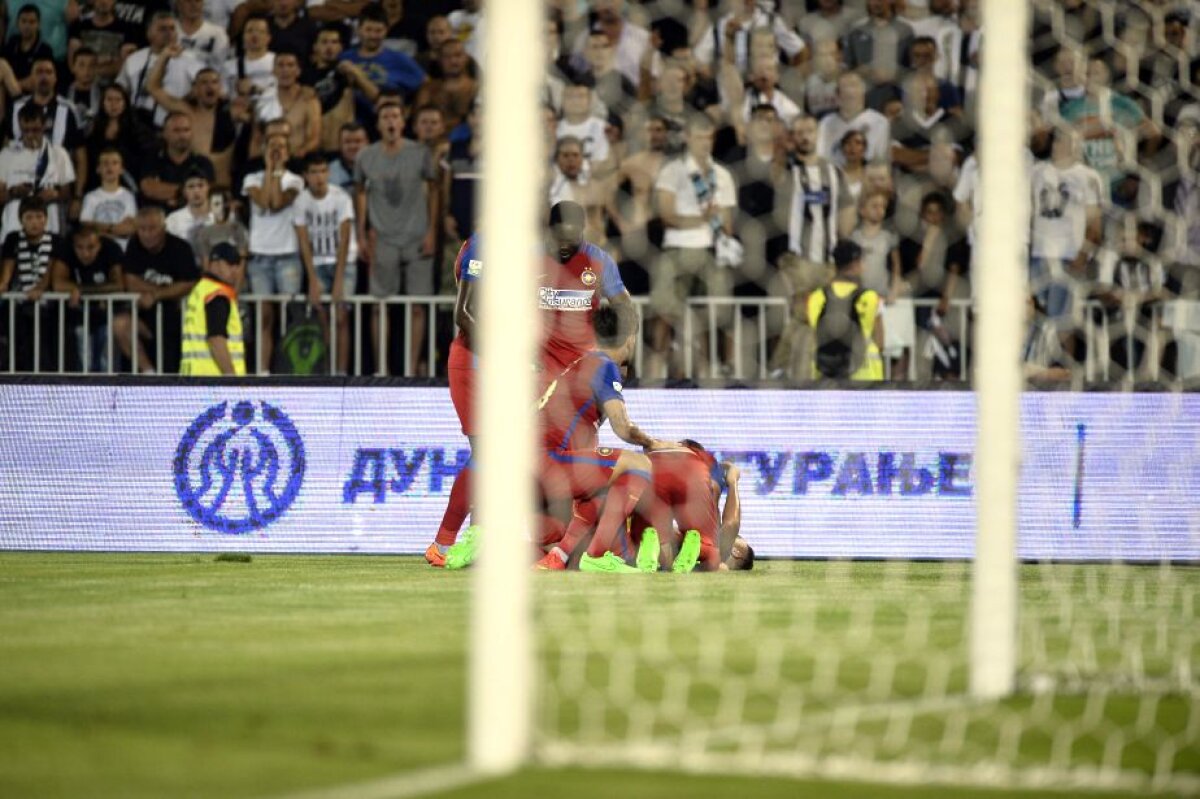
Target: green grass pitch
[(176, 675)]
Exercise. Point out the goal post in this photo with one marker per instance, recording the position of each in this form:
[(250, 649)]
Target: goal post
[(501, 657), (998, 380)]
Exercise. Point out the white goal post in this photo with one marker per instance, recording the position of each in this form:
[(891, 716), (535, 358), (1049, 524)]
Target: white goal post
[(1003, 135), (500, 714)]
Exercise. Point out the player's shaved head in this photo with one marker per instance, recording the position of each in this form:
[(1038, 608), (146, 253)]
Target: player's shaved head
[(567, 221)]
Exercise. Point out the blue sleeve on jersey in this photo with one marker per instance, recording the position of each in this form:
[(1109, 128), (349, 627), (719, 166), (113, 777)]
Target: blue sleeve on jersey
[(470, 267), (610, 277), (606, 383)]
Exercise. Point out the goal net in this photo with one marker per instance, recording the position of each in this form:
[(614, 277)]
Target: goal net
[(989, 588)]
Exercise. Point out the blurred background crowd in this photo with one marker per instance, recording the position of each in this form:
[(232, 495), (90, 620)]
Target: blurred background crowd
[(720, 148)]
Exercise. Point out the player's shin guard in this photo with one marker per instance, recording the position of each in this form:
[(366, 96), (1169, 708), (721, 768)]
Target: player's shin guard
[(623, 496), (456, 509)]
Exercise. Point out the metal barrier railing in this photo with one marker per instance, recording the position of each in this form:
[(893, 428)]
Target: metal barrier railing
[(49, 322)]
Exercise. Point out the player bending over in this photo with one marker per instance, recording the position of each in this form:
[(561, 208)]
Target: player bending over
[(574, 468)]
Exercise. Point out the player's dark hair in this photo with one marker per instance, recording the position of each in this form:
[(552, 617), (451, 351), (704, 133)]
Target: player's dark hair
[(613, 324), (693, 445), (746, 563)]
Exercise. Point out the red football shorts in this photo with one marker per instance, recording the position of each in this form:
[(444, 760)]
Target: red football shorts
[(578, 474), (683, 490), (461, 372)]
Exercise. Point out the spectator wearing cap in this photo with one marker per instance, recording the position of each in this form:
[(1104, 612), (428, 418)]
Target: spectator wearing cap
[(22, 50), (212, 327), (161, 270), (164, 174), (31, 165), (162, 34), (847, 321)]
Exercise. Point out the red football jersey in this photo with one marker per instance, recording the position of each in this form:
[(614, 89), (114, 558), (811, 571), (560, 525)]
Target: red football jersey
[(567, 295), (571, 408)]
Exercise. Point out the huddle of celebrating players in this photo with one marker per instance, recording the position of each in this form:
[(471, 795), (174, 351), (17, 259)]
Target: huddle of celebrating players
[(621, 510)]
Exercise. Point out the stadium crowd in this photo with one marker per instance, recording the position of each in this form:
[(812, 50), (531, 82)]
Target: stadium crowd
[(719, 148)]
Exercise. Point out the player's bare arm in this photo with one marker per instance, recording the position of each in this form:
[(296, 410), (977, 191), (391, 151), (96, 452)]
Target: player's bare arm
[(464, 310)]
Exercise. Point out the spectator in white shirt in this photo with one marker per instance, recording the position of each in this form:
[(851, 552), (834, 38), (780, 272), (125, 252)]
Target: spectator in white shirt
[(161, 33), (323, 215), (206, 41), (274, 260), (696, 198), (195, 213), (31, 165), (253, 72), (111, 208), (853, 114)]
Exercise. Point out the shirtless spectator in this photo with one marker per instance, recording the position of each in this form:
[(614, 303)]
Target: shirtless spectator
[(294, 102), (455, 89), (213, 131)]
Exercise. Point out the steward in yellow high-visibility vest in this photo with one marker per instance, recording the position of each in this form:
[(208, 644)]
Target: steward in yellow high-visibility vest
[(212, 327)]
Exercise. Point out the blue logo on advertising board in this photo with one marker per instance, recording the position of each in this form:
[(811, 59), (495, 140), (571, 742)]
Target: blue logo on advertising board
[(239, 468)]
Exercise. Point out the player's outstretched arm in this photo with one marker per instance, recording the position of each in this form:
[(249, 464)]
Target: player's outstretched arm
[(624, 427)]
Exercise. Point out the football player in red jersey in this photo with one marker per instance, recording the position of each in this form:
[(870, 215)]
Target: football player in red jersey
[(687, 485), (574, 468), (460, 366), (578, 275)]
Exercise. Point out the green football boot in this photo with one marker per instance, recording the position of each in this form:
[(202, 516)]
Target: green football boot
[(608, 563), (463, 553), (647, 556), (689, 553)]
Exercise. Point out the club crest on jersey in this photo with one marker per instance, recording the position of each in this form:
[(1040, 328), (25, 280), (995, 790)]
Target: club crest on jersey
[(588, 277), (552, 299), (474, 268), (604, 452), (618, 387)]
